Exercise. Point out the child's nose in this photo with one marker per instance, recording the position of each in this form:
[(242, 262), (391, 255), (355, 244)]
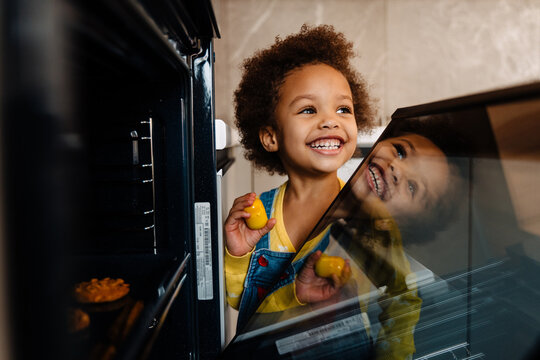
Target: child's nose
[(328, 123), (395, 172)]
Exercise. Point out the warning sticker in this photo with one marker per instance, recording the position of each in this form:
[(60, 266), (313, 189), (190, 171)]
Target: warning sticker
[(203, 243), (319, 334)]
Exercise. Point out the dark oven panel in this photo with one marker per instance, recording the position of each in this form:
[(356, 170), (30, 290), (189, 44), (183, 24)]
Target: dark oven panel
[(99, 172)]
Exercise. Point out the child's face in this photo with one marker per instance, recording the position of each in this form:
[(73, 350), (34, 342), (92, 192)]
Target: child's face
[(408, 173), (315, 119)]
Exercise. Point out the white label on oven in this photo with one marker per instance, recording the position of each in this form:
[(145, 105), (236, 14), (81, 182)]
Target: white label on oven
[(320, 334), (203, 242)]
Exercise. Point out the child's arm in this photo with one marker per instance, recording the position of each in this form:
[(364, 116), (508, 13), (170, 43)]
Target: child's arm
[(240, 239), (311, 288)]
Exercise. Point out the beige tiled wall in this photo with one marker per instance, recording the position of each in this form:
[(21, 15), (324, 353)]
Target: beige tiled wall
[(444, 48)]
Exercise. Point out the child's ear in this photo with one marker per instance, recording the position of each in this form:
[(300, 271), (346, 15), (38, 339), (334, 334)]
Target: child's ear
[(268, 138)]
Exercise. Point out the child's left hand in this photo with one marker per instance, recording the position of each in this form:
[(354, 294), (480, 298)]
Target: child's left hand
[(312, 288)]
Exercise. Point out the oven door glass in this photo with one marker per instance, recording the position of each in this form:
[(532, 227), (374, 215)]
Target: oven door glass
[(438, 230)]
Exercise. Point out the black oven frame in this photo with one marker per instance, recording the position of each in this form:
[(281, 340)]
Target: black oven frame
[(45, 111)]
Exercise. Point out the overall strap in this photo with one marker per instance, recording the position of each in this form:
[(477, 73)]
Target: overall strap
[(267, 199)]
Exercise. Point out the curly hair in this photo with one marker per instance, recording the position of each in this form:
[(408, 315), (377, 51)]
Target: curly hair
[(264, 73)]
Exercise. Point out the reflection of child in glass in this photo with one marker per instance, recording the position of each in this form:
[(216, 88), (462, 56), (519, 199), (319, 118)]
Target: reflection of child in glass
[(408, 173), (417, 182), (378, 254), (298, 107), (406, 179)]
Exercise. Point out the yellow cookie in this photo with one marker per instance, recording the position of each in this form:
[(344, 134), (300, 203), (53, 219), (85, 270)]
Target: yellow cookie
[(99, 291), (328, 265), (258, 217)]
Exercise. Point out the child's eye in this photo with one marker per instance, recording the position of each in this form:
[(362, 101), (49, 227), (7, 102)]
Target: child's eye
[(400, 150), (344, 110), (308, 110)]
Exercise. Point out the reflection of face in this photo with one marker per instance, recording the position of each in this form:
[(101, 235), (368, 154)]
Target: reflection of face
[(315, 117), (408, 173)]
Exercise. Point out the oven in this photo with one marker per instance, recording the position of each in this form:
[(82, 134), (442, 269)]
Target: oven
[(109, 171)]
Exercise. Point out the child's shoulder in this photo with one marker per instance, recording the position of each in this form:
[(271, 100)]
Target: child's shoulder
[(269, 193)]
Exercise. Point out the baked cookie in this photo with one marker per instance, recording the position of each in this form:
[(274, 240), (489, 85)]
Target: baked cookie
[(100, 291)]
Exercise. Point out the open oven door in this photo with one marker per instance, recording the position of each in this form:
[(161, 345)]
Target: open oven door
[(440, 224)]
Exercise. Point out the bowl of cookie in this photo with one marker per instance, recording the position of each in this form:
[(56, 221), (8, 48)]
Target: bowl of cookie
[(101, 294)]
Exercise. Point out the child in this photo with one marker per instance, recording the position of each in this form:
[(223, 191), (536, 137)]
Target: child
[(299, 107)]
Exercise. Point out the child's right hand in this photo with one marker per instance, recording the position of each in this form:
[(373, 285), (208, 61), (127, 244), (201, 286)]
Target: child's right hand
[(238, 237)]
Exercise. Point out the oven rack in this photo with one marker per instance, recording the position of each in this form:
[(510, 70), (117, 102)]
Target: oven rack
[(122, 185)]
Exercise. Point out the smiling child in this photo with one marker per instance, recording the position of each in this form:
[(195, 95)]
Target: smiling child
[(299, 107)]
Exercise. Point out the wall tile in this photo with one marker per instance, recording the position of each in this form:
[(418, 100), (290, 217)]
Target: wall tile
[(447, 48)]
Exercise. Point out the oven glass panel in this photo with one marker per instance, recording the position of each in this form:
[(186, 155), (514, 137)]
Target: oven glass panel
[(440, 226)]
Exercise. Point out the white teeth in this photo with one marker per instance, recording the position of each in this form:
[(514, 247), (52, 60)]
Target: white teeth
[(327, 144), (379, 184)]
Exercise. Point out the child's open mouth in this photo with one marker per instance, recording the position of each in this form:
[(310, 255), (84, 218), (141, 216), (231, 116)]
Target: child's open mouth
[(375, 179), (326, 144)]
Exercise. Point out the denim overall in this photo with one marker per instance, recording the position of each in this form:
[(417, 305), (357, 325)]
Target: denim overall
[(269, 270)]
